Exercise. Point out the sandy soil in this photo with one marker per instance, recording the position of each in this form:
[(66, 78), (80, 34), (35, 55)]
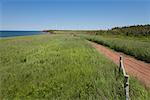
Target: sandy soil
[(134, 67)]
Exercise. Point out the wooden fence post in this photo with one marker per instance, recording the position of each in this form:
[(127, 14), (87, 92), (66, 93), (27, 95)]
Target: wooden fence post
[(120, 64), (126, 78), (126, 84)]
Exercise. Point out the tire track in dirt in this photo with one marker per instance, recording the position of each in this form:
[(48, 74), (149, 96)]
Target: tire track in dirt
[(134, 67)]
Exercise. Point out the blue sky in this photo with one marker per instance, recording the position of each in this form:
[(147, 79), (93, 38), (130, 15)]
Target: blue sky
[(72, 14)]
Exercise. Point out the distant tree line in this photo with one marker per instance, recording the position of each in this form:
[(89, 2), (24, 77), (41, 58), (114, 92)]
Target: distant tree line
[(135, 30)]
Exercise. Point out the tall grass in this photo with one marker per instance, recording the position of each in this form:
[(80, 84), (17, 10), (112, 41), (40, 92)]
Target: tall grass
[(140, 49), (59, 67)]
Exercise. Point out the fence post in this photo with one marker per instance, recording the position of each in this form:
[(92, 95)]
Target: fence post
[(126, 84), (120, 60), (126, 78)]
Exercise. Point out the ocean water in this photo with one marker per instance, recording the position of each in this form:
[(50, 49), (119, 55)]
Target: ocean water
[(4, 34)]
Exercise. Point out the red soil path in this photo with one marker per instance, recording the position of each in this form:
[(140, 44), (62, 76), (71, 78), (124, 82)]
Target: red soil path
[(133, 67)]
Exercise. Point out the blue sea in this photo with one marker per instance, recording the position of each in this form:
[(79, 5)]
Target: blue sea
[(4, 34)]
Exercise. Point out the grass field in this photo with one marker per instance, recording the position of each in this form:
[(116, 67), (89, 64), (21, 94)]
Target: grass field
[(139, 47), (60, 67)]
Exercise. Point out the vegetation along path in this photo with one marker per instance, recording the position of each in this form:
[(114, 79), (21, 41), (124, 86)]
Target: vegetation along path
[(136, 68)]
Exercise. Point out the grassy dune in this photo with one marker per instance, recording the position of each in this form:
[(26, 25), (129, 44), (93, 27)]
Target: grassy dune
[(139, 47), (59, 67)]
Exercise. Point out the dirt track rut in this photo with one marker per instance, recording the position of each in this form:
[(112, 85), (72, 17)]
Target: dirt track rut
[(134, 67)]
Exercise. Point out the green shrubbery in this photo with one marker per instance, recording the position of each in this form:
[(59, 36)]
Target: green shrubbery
[(136, 30), (137, 48)]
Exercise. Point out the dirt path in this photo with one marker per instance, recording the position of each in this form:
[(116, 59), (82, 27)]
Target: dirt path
[(134, 67)]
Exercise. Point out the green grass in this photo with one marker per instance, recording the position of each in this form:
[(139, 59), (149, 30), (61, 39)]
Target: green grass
[(59, 67), (138, 47)]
